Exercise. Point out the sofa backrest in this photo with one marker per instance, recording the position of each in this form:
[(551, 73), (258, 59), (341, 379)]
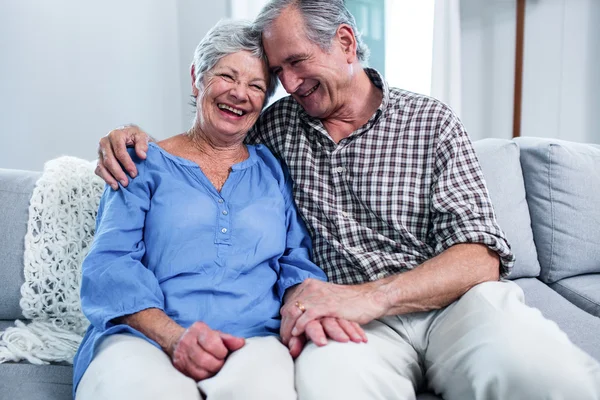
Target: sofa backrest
[(562, 180), (16, 188), (501, 167)]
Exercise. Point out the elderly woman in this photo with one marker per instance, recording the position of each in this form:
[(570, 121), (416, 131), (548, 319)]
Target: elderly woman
[(191, 261)]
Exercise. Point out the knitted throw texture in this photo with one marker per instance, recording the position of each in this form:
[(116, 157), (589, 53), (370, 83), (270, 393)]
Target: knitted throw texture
[(60, 229)]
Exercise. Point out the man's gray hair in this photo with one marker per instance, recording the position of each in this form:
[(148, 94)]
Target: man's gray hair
[(321, 19), (228, 37)]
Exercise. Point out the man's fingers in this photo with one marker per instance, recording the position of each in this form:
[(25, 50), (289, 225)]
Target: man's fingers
[(141, 144), (110, 163), (103, 173), (304, 319), (334, 329), (315, 332), (289, 316), (118, 141), (296, 345)]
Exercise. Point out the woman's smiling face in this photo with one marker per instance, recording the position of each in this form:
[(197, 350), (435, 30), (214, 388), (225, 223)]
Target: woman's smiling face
[(232, 95)]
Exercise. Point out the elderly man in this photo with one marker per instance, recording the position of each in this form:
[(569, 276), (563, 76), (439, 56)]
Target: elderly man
[(396, 204)]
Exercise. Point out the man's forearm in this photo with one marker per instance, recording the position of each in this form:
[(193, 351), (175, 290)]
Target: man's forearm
[(438, 281)]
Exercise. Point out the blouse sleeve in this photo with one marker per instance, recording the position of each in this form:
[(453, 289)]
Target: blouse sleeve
[(295, 264), (115, 282)]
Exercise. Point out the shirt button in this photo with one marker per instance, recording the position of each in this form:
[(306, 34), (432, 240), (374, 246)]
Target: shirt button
[(339, 170), (345, 214), (225, 212), (224, 230), (380, 275), (220, 201)]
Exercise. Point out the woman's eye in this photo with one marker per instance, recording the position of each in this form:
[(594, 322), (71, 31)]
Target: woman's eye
[(227, 77), (258, 87)]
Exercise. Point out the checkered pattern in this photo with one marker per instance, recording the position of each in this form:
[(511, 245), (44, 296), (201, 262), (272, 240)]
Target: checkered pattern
[(400, 190)]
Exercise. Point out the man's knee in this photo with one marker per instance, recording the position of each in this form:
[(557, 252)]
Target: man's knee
[(353, 371), (513, 372)]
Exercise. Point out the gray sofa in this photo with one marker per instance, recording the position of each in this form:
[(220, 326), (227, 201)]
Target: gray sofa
[(546, 194)]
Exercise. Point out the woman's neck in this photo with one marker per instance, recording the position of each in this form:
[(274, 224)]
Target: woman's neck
[(206, 146)]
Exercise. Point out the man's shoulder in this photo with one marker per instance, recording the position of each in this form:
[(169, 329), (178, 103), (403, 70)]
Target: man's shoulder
[(407, 101), (284, 108)]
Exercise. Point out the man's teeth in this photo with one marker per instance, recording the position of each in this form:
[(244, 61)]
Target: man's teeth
[(233, 110), (311, 91)]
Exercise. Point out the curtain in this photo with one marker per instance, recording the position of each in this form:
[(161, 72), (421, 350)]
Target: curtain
[(446, 62)]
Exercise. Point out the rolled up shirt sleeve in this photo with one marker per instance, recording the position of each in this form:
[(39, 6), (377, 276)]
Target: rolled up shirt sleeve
[(295, 264), (461, 208), (115, 282)]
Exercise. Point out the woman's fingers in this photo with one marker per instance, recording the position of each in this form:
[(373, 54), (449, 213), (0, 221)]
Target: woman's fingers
[(315, 332), (335, 330), (201, 352), (353, 330)]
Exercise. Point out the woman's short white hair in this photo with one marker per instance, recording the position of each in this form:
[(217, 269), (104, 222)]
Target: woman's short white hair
[(228, 37)]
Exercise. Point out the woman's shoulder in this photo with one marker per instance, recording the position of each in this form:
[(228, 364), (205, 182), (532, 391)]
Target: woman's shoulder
[(275, 166), (267, 158)]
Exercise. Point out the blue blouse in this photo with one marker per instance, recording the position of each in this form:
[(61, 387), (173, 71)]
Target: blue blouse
[(171, 241)]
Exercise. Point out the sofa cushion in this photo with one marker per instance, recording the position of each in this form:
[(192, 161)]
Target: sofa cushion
[(562, 180), (582, 290), (499, 160), (26, 381), (581, 327), (16, 188)]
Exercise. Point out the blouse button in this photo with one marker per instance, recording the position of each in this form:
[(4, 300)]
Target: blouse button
[(220, 201), (225, 212), (224, 230)]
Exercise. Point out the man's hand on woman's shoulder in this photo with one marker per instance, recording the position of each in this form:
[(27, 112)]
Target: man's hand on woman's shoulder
[(113, 159)]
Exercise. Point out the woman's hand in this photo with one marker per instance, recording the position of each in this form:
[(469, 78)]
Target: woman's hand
[(318, 331), (112, 150), (201, 351)]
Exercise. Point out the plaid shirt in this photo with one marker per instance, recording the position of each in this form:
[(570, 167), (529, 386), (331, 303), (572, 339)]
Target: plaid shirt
[(398, 191)]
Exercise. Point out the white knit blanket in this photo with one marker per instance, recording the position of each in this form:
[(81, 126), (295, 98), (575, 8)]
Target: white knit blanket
[(60, 229)]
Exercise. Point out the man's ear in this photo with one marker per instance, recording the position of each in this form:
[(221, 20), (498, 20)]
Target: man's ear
[(347, 40), (194, 88)]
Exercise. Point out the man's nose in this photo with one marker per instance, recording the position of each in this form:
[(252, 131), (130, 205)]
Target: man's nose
[(290, 81)]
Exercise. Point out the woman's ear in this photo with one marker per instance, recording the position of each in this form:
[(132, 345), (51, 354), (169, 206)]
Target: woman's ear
[(194, 88), (347, 40)]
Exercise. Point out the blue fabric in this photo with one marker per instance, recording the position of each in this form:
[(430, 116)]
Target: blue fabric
[(171, 241)]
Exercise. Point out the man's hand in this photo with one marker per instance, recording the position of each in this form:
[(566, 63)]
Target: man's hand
[(200, 352), (112, 150), (347, 306)]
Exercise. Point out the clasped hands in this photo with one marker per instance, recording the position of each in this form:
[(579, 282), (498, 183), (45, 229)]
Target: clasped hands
[(315, 310)]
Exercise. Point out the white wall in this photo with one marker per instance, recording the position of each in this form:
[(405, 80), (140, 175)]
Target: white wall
[(561, 81), (72, 70), (488, 57)]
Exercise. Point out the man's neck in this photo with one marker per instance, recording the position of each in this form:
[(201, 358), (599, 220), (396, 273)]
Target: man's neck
[(363, 99)]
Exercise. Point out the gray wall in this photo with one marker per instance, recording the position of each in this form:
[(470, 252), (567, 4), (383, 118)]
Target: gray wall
[(561, 92), (73, 70)]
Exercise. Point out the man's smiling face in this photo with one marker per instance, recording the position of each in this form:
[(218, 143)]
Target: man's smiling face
[(315, 78)]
